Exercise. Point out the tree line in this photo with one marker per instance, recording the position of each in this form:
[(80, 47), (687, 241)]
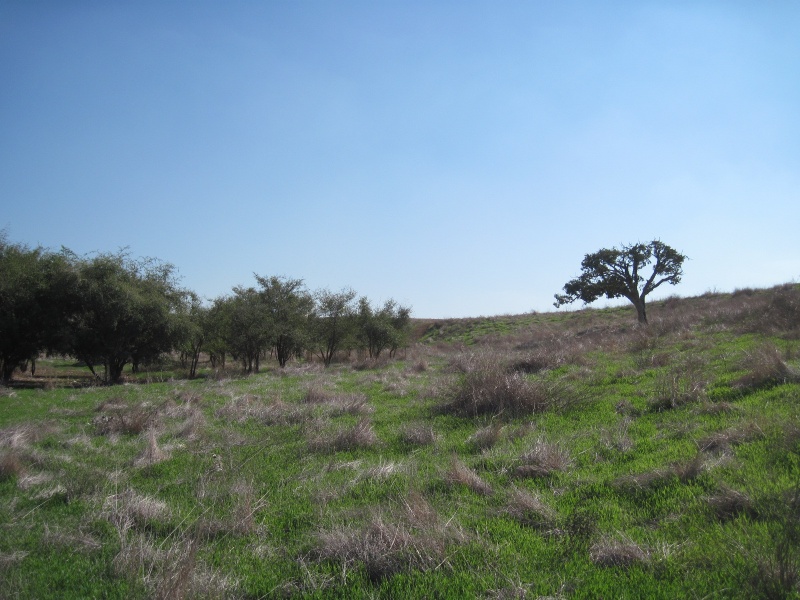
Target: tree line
[(111, 310)]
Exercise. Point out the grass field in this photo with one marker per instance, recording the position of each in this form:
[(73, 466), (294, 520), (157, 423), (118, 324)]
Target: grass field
[(562, 455)]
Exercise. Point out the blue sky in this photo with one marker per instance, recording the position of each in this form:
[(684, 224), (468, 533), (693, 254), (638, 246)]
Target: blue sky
[(461, 157)]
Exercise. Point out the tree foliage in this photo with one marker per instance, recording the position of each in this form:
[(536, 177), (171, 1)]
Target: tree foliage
[(333, 322), (381, 327), (127, 313), (289, 307), (35, 297), (621, 273), (110, 310)]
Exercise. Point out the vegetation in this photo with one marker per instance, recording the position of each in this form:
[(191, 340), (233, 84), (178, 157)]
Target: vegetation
[(617, 274), (110, 310), (562, 455)]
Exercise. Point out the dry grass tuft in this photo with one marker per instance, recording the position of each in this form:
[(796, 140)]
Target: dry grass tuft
[(361, 435), (460, 474), (20, 437), (618, 552), (765, 368), (487, 388), (543, 459), (418, 434), (677, 388), (11, 465), (129, 509), (530, 510), (409, 537), (486, 437), (79, 542), (728, 503), (723, 441), (152, 453), (119, 418)]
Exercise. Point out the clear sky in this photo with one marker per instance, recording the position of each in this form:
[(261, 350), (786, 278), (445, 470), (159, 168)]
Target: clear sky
[(459, 156)]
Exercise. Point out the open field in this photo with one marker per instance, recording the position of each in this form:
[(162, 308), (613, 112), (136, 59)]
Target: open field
[(566, 455)]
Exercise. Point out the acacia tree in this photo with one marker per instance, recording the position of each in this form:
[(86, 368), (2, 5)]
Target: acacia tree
[(36, 294), (246, 325), (289, 307), (194, 317), (618, 273), (379, 328), (127, 313), (332, 322)]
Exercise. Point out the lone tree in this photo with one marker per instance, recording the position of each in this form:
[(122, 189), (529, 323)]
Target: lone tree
[(617, 273)]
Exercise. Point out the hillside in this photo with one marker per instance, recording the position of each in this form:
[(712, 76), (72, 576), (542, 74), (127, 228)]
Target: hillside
[(568, 455)]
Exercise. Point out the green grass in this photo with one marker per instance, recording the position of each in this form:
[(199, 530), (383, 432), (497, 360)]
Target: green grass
[(675, 473)]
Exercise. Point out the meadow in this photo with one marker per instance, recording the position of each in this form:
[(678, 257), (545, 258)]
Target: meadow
[(551, 455)]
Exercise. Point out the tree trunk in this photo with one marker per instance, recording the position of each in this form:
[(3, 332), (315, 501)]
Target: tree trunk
[(641, 312)]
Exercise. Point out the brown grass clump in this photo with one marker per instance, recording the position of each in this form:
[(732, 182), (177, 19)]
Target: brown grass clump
[(723, 441), (129, 509), (338, 404), (411, 537), (361, 435), (765, 368), (152, 453), (543, 459), (530, 510), (118, 417), (492, 390), (618, 552), (675, 389), (728, 503), (486, 437), (80, 542), (11, 465), (418, 434), (460, 474)]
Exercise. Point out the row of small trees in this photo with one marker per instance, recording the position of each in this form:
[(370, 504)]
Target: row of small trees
[(110, 310)]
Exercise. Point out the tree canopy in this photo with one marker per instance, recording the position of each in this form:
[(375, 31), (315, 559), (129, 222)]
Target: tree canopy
[(621, 273)]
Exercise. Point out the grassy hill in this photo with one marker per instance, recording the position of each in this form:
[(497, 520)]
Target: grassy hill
[(567, 455)]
